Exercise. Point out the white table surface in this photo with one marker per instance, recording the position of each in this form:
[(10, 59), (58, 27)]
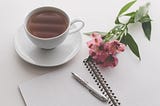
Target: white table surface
[(135, 82)]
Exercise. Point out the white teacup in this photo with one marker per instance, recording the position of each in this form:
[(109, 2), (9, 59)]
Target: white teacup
[(51, 42)]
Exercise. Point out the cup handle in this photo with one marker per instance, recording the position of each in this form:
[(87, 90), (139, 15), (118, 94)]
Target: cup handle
[(77, 28)]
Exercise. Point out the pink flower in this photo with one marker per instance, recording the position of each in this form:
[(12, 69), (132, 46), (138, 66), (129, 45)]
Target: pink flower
[(95, 35), (95, 42), (92, 52), (111, 61), (104, 53), (100, 57), (114, 47)]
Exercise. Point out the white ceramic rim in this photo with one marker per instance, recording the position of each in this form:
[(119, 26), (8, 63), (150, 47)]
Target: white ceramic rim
[(44, 65), (41, 9)]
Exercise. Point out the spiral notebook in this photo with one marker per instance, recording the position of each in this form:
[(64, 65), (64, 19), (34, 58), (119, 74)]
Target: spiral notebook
[(58, 88)]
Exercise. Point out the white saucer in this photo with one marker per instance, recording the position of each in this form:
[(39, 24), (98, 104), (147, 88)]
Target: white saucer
[(47, 58)]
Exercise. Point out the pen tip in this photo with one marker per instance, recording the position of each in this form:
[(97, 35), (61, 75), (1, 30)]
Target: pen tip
[(72, 73)]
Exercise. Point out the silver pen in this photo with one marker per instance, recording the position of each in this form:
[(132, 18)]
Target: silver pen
[(90, 88)]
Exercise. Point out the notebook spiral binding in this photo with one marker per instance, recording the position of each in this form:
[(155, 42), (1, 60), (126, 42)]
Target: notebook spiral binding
[(100, 81)]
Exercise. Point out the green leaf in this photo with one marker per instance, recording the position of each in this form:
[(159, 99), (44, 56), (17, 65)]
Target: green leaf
[(88, 33), (123, 40), (141, 12), (131, 20), (126, 7), (131, 14), (145, 19), (147, 29), (101, 33), (89, 58), (117, 21), (132, 45)]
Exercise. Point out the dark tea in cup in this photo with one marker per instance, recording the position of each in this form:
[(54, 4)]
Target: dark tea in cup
[(47, 23), (47, 27)]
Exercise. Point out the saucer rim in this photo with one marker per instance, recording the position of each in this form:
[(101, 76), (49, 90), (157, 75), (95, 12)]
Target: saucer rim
[(45, 65)]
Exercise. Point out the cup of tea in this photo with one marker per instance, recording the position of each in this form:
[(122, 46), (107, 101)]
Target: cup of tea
[(47, 27)]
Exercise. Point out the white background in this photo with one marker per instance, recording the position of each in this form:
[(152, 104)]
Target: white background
[(135, 82)]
